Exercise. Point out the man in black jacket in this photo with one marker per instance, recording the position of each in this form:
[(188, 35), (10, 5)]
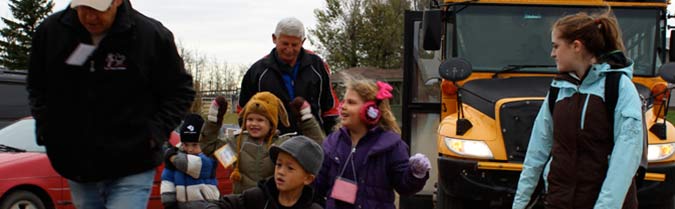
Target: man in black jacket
[(106, 87), (290, 71)]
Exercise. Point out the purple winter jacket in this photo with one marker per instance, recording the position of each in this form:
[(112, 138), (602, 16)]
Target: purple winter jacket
[(381, 165)]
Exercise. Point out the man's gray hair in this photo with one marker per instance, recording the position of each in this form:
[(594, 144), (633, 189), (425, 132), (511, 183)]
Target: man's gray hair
[(290, 26)]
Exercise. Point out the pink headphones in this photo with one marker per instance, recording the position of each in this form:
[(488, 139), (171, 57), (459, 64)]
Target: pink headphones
[(370, 112)]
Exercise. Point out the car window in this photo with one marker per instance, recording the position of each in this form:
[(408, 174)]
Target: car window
[(14, 102), (21, 135)]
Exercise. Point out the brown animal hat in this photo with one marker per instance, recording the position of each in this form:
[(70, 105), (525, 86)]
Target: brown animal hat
[(268, 105), (265, 104)]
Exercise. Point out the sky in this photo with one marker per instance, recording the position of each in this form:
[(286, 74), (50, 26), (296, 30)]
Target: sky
[(238, 32), (235, 31)]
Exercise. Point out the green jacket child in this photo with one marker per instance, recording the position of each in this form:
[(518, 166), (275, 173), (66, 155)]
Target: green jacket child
[(259, 131)]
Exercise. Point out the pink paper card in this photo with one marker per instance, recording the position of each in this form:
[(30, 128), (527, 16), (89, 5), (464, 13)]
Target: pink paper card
[(344, 190)]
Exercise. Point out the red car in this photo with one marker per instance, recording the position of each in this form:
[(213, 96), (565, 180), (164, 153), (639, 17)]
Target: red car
[(27, 179)]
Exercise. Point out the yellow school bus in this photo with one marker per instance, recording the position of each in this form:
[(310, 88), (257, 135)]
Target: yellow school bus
[(496, 67)]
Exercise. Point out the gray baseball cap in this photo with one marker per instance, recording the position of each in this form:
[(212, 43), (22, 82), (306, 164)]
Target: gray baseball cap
[(307, 152)]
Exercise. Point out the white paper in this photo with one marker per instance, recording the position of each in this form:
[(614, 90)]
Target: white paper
[(80, 55), (225, 155)]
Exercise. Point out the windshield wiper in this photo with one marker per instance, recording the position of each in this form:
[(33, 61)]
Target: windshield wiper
[(10, 149), (511, 68)]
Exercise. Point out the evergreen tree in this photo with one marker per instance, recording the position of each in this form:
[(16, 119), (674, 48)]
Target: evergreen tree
[(15, 41)]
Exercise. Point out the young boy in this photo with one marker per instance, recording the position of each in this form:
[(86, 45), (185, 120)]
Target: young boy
[(297, 162), (188, 180)]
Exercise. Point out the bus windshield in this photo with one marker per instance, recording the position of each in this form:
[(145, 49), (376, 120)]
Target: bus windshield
[(492, 37)]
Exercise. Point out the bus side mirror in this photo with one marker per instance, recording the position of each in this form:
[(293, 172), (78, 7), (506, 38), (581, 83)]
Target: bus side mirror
[(455, 69), (431, 30), (667, 71), (671, 49)]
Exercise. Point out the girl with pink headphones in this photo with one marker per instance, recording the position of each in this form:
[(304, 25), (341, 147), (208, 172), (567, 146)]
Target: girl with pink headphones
[(365, 160)]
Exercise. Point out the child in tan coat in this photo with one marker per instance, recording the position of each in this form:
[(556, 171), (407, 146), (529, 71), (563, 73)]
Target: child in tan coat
[(259, 132)]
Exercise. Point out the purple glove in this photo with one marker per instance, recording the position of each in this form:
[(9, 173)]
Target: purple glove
[(419, 165)]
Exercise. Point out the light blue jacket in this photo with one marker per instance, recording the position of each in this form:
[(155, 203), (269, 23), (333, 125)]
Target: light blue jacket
[(628, 138)]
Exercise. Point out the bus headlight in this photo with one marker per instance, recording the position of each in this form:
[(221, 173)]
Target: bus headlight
[(470, 148), (656, 152)]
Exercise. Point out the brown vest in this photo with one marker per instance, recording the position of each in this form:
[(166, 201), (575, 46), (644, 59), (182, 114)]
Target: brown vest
[(580, 156)]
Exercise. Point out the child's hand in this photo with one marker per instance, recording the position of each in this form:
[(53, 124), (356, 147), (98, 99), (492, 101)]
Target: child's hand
[(217, 110), (169, 154), (419, 165), (301, 108)]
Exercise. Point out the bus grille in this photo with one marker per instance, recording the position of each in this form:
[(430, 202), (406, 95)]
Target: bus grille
[(516, 119)]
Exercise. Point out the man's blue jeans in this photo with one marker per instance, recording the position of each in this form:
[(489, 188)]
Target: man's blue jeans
[(127, 192)]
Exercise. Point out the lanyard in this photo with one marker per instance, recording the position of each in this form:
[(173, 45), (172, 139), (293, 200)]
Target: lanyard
[(350, 160), (289, 80)]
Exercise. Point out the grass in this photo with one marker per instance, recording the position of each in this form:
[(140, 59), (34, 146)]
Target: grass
[(671, 116), (231, 118)]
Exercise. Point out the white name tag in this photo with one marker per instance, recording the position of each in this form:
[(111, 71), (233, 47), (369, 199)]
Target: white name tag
[(80, 55), (225, 155)]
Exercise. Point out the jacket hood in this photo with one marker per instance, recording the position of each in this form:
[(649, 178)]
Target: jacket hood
[(614, 62), (269, 187)]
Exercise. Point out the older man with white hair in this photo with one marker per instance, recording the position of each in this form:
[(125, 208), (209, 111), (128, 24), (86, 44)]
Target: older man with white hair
[(293, 73)]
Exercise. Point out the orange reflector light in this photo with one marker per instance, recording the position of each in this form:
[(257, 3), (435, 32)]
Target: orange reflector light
[(661, 92), (448, 87)]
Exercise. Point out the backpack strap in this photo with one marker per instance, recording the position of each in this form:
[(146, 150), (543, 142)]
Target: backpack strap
[(611, 97), (552, 97)]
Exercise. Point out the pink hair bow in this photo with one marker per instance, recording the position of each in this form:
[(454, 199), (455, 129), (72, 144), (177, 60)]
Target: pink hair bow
[(384, 92)]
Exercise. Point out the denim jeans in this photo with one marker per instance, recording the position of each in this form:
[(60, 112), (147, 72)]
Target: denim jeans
[(127, 192)]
